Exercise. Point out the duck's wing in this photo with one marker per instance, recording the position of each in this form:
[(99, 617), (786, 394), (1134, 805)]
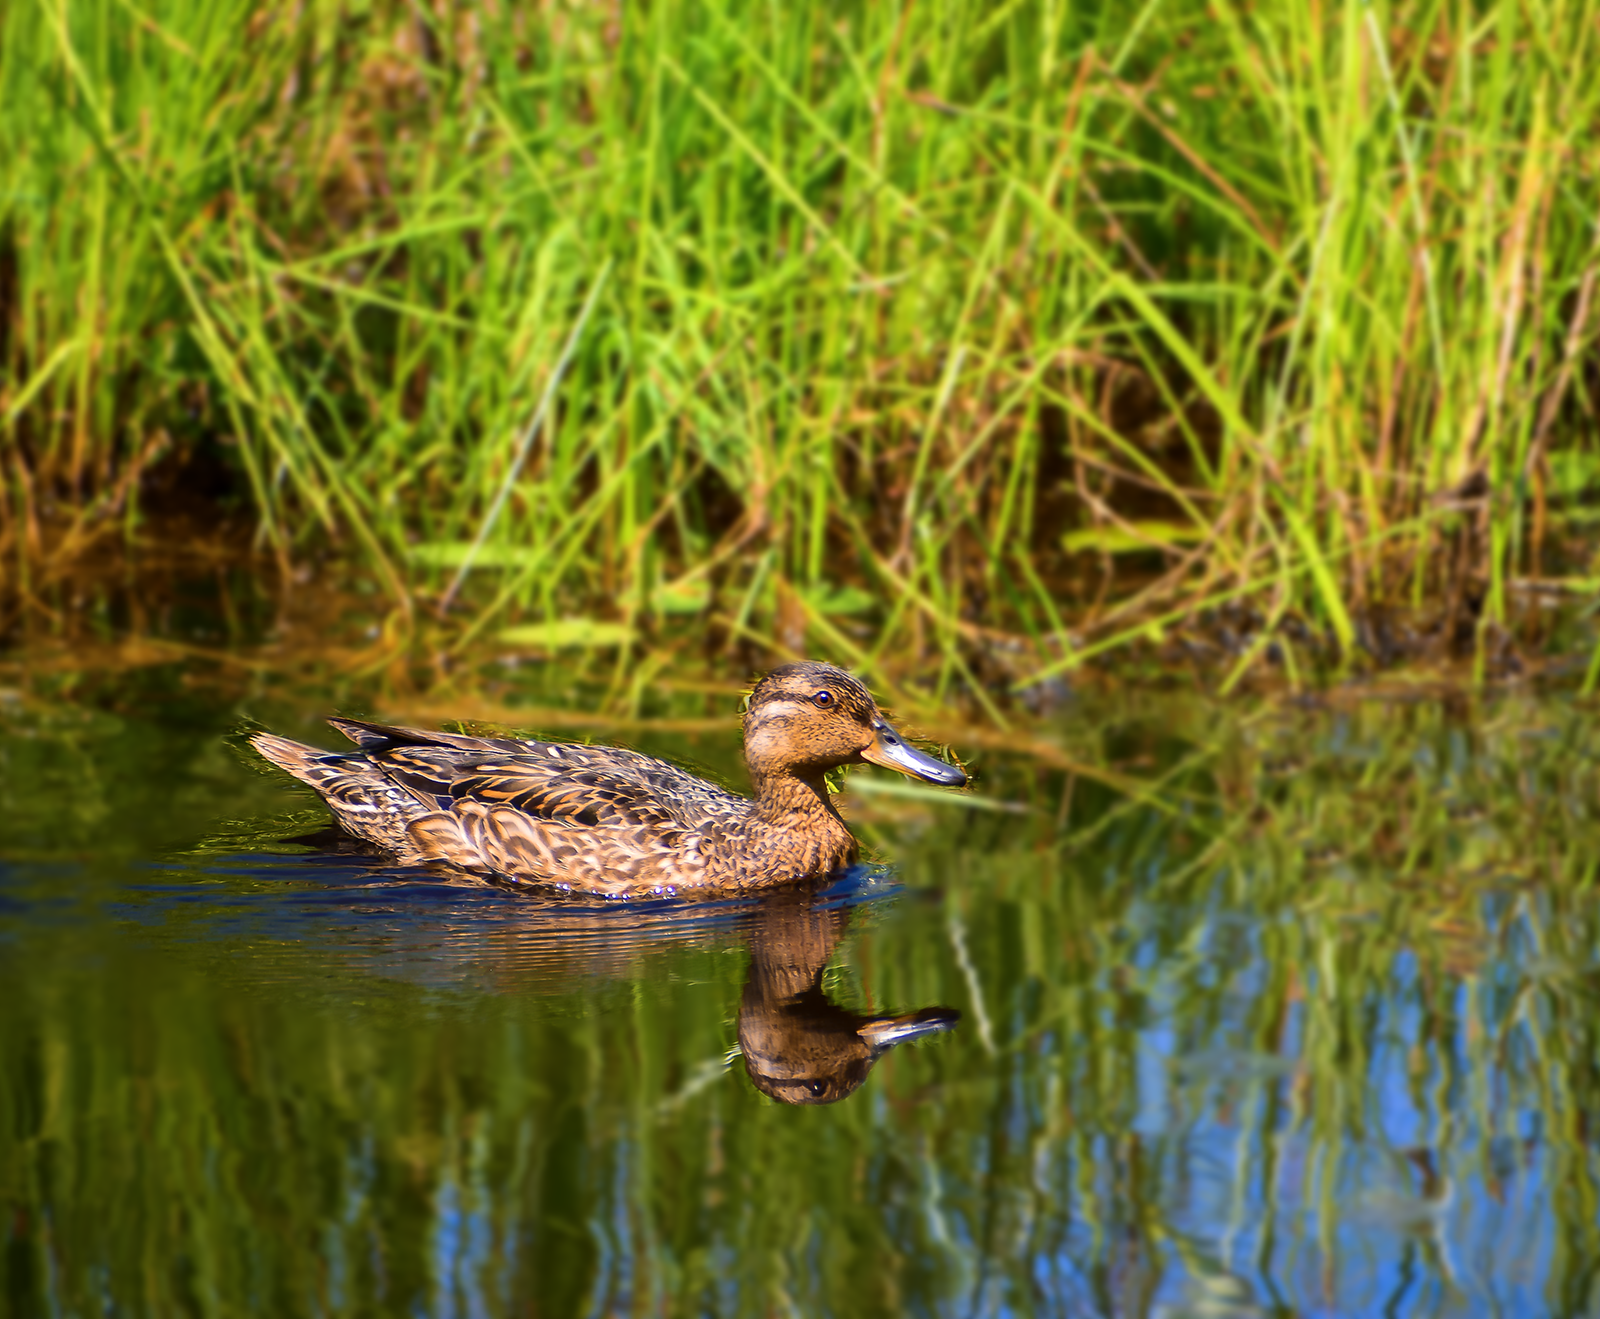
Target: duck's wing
[(618, 766), (606, 818), (564, 815), (591, 787)]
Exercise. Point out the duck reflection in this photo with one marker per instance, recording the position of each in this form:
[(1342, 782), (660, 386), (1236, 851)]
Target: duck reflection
[(798, 1046)]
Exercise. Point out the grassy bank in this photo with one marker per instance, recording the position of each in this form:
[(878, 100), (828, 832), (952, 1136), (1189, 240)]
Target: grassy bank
[(999, 336)]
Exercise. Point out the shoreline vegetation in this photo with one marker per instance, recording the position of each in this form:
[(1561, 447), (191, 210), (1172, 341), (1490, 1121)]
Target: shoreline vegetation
[(968, 343)]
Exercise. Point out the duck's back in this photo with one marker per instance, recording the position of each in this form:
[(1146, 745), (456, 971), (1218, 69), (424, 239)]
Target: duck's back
[(604, 819)]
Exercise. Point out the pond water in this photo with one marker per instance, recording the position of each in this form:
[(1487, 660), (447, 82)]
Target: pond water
[(1230, 1010)]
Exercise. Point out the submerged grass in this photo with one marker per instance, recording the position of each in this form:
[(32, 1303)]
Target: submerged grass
[(996, 337)]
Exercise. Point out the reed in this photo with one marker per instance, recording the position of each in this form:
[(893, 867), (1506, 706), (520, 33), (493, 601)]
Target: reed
[(989, 338)]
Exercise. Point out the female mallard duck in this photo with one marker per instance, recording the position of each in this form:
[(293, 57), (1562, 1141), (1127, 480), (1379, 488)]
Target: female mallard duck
[(608, 821)]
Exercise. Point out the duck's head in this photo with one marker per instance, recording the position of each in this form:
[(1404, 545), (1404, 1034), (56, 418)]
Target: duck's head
[(806, 718)]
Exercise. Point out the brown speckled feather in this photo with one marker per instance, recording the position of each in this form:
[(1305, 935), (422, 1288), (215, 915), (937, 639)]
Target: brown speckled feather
[(607, 820)]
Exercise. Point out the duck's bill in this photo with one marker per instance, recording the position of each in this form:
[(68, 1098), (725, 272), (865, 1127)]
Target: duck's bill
[(892, 751), (885, 1032)]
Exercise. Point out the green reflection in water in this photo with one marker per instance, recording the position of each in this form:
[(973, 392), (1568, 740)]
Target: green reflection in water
[(1307, 1025)]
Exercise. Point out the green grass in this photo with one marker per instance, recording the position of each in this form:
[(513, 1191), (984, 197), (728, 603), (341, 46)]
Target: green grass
[(1023, 329)]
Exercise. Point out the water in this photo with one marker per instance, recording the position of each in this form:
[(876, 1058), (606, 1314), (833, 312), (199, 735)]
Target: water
[(1299, 1017)]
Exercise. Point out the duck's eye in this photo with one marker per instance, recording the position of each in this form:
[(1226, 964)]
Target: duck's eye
[(816, 1087), (823, 699)]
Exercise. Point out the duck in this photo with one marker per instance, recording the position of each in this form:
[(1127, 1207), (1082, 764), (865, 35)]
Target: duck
[(609, 821)]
